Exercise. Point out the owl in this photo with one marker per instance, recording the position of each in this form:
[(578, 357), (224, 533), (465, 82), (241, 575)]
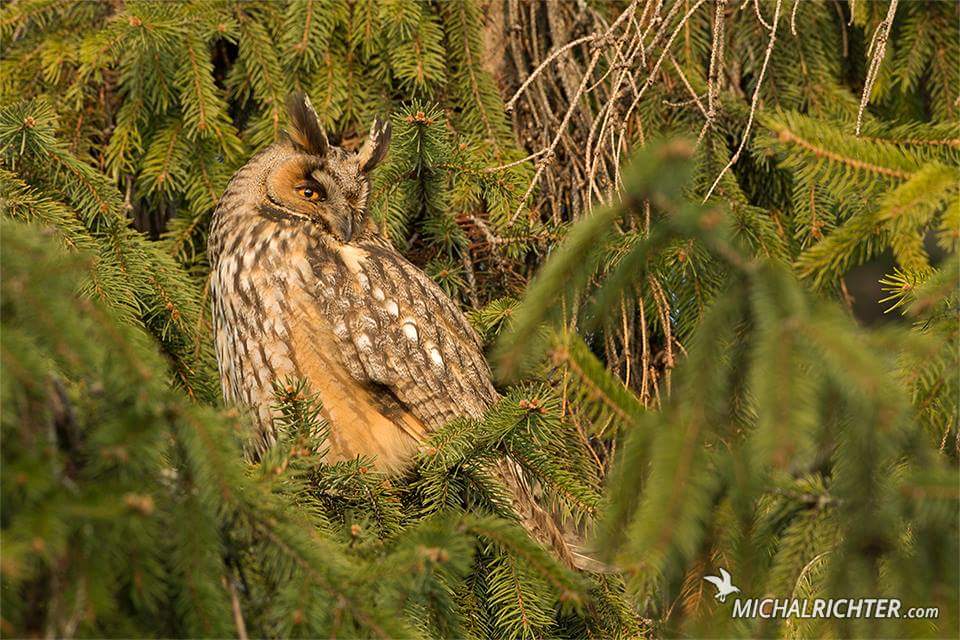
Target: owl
[(303, 286)]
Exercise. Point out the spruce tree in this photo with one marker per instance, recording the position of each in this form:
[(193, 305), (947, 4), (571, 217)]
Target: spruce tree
[(655, 214)]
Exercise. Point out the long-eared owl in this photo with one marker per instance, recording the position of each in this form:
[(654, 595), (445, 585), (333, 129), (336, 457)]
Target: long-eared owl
[(303, 286)]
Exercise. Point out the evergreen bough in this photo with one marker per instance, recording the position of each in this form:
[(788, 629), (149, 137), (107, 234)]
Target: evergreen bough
[(687, 371)]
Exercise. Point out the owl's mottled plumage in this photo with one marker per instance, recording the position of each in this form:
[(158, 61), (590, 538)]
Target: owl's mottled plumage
[(303, 286), (319, 295)]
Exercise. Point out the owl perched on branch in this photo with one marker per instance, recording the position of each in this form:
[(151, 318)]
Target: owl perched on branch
[(303, 286)]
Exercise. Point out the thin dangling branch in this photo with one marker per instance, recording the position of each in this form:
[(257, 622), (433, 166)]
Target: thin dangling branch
[(753, 102), (879, 47)]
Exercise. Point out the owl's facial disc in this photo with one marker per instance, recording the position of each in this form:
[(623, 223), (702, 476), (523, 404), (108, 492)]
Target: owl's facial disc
[(329, 192)]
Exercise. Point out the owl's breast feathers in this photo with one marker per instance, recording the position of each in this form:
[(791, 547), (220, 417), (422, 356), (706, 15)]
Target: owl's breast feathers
[(390, 355)]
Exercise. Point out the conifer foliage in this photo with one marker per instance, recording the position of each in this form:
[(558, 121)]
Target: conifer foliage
[(657, 233), (790, 452)]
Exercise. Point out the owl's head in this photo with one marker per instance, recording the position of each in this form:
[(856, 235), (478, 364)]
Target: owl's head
[(309, 179)]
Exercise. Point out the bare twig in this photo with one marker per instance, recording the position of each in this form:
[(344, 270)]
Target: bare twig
[(716, 61), (545, 161), (756, 8), (471, 279), (235, 606), (666, 49), (686, 83), (644, 354), (663, 308), (843, 28), (572, 107), (753, 102), (656, 67), (879, 48), (593, 155), (543, 65), (530, 157)]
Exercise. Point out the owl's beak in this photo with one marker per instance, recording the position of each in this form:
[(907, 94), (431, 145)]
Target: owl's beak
[(345, 228)]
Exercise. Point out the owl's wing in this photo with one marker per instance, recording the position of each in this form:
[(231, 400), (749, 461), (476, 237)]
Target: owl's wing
[(395, 327)]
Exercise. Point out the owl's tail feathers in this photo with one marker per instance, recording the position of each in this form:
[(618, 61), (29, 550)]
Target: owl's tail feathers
[(542, 526), (584, 557)]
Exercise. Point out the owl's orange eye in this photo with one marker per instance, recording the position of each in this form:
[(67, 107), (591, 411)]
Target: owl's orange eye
[(313, 193)]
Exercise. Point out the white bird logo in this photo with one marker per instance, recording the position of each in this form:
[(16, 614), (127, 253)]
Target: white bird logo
[(723, 584)]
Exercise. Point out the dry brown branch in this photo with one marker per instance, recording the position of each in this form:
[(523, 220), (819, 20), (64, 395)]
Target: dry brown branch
[(638, 93), (235, 608), (595, 154), (686, 83), (756, 8), (644, 355), (598, 44), (656, 67), (532, 156), (543, 65), (548, 156), (753, 102), (878, 47), (716, 61)]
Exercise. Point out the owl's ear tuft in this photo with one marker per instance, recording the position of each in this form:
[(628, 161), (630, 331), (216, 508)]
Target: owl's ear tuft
[(305, 131), (374, 150)]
